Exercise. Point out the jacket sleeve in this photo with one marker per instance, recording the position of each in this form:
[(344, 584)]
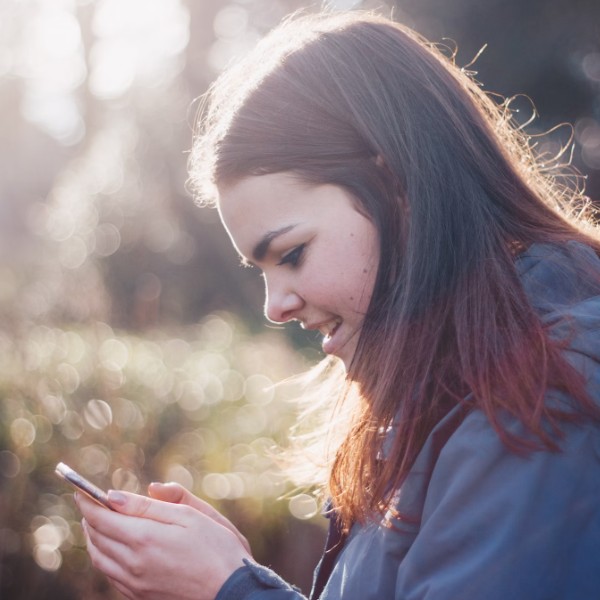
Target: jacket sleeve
[(497, 525), (255, 582)]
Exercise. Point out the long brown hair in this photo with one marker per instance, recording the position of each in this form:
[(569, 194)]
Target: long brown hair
[(361, 102)]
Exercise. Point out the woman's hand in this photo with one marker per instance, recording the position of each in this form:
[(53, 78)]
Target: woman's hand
[(171, 546), (173, 492)]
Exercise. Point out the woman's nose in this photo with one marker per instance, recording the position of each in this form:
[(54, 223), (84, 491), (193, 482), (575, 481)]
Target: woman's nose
[(281, 305)]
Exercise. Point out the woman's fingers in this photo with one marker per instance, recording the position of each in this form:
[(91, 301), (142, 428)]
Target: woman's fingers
[(151, 548), (98, 516), (115, 561), (144, 507), (175, 493), (102, 555), (171, 492), (105, 545), (127, 504), (125, 591), (165, 505)]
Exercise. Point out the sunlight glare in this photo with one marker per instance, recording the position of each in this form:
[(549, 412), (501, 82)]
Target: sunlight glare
[(136, 39)]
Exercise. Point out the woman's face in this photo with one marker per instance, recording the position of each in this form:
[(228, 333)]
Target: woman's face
[(318, 254)]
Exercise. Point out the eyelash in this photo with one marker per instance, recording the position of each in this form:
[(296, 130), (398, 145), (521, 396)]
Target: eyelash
[(294, 257)]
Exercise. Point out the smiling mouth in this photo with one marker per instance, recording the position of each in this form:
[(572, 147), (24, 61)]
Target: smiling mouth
[(331, 344), (328, 330)]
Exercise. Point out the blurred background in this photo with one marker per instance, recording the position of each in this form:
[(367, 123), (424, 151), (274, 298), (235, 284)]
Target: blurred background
[(132, 346)]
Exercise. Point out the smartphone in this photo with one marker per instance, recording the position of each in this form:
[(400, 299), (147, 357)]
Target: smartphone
[(81, 483)]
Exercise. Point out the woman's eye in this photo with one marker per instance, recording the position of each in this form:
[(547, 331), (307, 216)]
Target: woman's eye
[(293, 257)]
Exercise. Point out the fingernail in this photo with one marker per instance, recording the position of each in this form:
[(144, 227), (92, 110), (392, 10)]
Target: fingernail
[(117, 498)]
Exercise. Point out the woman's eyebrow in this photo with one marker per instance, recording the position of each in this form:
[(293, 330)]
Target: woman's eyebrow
[(260, 250)]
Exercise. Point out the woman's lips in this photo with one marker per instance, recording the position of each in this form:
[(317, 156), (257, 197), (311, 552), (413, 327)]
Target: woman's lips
[(329, 341)]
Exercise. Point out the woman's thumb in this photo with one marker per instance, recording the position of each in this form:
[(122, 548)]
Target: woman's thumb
[(167, 492)]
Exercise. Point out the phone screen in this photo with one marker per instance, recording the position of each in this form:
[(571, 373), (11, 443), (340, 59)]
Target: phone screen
[(81, 483)]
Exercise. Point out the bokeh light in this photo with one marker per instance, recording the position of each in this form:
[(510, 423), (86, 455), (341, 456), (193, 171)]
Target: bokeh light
[(126, 409), (51, 62), (136, 40), (303, 506)]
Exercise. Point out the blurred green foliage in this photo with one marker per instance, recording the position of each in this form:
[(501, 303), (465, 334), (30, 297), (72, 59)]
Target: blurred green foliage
[(195, 405)]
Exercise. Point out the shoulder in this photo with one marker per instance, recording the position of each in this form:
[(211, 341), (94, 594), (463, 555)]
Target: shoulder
[(562, 283), (479, 480), (559, 277), (518, 525)]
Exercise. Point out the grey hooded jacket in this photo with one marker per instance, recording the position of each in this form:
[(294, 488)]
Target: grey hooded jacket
[(493, 525)]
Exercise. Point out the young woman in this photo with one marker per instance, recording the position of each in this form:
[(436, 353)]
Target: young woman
[(391, 205)]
